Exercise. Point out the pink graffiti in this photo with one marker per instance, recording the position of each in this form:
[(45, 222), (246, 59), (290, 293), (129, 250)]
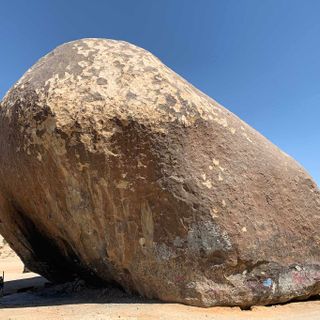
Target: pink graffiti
[(316, 275), (212, 291), (179, 278), (299, 277)]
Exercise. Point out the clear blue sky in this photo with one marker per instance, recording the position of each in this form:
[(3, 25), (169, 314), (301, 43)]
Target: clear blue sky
[(259, 58)]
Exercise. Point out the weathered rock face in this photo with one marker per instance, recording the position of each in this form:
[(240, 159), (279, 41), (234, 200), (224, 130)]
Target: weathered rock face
[(115, 169)]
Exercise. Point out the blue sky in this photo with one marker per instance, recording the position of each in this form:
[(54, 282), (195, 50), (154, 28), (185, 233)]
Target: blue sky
[(259, 58)]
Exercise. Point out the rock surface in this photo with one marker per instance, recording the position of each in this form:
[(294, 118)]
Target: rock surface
[(115, 169)]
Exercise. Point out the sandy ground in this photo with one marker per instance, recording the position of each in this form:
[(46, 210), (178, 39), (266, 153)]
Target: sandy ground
[(47, 302)]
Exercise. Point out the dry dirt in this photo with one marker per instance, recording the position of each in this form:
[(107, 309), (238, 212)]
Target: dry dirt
[(72, 301)]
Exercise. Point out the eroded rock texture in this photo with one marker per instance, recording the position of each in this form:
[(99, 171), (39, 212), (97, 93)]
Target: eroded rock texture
[(115, 169)]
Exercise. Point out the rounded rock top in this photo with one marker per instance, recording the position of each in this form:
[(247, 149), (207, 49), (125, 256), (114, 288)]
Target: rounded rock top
[(107, 74)]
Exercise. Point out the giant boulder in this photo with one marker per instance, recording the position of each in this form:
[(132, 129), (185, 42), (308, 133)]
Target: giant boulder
[(116, 170)]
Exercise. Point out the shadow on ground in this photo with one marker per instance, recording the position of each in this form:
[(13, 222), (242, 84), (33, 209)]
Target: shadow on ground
[(24, 284), (37, 291)]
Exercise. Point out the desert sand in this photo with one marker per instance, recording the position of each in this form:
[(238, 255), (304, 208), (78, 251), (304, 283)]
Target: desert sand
[(30, 296)]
